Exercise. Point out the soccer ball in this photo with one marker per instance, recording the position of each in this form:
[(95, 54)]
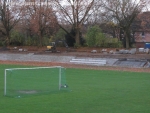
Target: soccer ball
[(65, 86)]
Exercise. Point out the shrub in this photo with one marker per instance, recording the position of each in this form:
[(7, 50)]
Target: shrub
[(95, 38), (91, 35), (101, 40), (60, 35), (16, 38)]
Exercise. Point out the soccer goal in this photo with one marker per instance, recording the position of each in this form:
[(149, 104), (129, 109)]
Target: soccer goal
[(35, 80)]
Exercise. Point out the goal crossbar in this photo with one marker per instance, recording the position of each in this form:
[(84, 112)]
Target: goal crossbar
[(33, 68)]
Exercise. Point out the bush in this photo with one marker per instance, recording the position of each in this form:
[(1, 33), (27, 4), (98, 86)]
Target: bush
[(76, 45), (1, 43), (91, 35), (28, 41), (95, 38), (101, 40), (16, 39), (45, 41), (60, 35)]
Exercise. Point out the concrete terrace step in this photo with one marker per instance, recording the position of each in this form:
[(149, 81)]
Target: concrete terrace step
[(131, 63), (88, 61)]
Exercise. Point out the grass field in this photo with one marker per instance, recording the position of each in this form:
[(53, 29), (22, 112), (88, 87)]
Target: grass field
[(91, 91)]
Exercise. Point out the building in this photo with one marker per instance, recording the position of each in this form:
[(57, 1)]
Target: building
[(141, 29)]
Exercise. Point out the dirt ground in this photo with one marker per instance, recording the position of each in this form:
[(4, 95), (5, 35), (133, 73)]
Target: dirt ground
[(86, 52)]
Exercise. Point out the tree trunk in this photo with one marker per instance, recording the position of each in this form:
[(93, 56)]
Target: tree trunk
[(127, 42), (40, 39), (7, 43), (77, 36), (127, 36)]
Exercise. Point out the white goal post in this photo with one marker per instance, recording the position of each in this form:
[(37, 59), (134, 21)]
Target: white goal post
[(24, 79)]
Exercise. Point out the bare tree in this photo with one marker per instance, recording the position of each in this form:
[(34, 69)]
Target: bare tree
[(147, 7), (123, 13), (39, 19), (9, 17), (74, 13)]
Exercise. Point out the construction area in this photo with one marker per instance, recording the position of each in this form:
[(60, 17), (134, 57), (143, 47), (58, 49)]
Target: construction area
[(115, 58)]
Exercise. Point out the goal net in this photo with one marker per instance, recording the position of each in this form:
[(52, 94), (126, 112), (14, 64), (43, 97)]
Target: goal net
[(35, 80)]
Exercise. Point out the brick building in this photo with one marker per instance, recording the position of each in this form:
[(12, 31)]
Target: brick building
[(142, 29)]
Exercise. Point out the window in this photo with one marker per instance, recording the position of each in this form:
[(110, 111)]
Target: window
[(143, 34)]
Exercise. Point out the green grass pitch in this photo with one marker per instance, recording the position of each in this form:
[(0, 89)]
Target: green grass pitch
[(91, 91)]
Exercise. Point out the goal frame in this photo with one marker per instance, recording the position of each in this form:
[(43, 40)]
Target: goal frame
[(5, 75)]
